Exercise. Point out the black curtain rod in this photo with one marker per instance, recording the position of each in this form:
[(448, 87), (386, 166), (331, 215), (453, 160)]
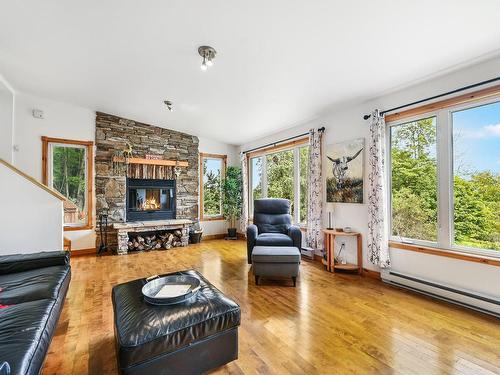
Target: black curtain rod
[(322, 129), (366, 117)]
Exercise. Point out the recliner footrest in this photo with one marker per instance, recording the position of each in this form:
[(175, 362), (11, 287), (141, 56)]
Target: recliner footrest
[(275, 254)]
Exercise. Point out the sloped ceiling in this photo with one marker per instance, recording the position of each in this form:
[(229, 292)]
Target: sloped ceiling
[(279, 62)]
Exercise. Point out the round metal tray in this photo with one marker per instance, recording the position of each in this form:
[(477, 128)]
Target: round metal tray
[(155, 283)]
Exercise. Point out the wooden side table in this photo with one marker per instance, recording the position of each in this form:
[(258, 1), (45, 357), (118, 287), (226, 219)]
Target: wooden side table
[(330, 235)]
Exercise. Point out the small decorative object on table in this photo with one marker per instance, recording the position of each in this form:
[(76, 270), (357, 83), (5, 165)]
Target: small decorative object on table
[(330, 221)]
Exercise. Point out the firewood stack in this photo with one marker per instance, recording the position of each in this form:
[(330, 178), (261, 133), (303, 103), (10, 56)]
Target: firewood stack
[(154, 241)]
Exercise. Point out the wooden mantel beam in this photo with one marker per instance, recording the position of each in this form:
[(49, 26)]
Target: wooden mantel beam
[(170, 163)]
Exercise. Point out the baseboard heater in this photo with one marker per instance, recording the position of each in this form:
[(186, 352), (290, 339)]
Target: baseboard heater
[(478, 302)]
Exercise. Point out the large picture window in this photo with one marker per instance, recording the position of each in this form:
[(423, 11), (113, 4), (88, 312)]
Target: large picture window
[(212, 171), (281, 173), (445, 178), (68, 169)]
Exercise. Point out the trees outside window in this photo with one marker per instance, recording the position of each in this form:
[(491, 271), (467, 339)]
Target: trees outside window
[(445, 178), (414, 180), (281, 174), (256, 172), (67, 168), (213, 168), (476, 176), (280, 181)]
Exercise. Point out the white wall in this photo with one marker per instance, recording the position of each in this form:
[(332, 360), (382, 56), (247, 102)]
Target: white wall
[(33, 222), (213, 147), (61, 120), (347, 123), (6, 119)]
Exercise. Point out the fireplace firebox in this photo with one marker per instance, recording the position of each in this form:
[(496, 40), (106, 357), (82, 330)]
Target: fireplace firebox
[(150, 199)]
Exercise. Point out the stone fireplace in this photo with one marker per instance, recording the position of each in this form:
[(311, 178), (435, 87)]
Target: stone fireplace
[(144, 198)]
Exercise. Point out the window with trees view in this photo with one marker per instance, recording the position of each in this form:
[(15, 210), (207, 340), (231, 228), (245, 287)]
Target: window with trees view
[(476, 176), (213, 168), (414, 180), (281, 174), (256, 172), (67, 168), (445, 178)]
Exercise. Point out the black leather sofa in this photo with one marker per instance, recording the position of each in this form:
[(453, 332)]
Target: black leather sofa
[(32, 292), (272, 226)]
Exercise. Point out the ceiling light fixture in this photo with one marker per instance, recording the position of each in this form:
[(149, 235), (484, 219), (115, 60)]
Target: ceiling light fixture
[(169, 105), (208, 55)]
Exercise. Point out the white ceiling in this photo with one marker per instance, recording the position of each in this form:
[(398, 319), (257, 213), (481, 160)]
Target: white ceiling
[(279, 62)]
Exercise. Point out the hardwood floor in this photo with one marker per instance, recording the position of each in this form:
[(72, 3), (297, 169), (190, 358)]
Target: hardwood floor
[(328, 324)]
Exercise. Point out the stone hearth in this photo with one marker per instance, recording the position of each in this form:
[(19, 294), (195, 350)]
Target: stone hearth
[(124, 229)]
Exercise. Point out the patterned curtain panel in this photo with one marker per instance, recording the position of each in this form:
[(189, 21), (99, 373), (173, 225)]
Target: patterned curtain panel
[(378, 247), (244, 208), (314, 236)]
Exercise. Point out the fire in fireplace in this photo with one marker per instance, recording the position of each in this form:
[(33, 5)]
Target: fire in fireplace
[(150, 199)]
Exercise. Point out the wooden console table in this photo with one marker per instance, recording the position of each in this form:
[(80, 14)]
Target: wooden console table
[(330, 235)]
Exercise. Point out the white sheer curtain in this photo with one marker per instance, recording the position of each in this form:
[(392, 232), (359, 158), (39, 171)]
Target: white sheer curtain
[(244, 208), (378, 247), (314, 236)]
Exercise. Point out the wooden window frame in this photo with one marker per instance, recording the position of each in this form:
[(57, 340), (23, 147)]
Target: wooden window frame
[(481, 97), (445, 253), (204, 155), (89, 146), (290, 145), (446, 103)]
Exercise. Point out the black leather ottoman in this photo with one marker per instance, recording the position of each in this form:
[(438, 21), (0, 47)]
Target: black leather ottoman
[(188, 338)]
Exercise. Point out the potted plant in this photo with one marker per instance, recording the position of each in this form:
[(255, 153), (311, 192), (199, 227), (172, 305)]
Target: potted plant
[(232, 198)]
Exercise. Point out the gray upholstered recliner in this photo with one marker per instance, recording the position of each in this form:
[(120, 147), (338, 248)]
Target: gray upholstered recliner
[(272, 225)]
